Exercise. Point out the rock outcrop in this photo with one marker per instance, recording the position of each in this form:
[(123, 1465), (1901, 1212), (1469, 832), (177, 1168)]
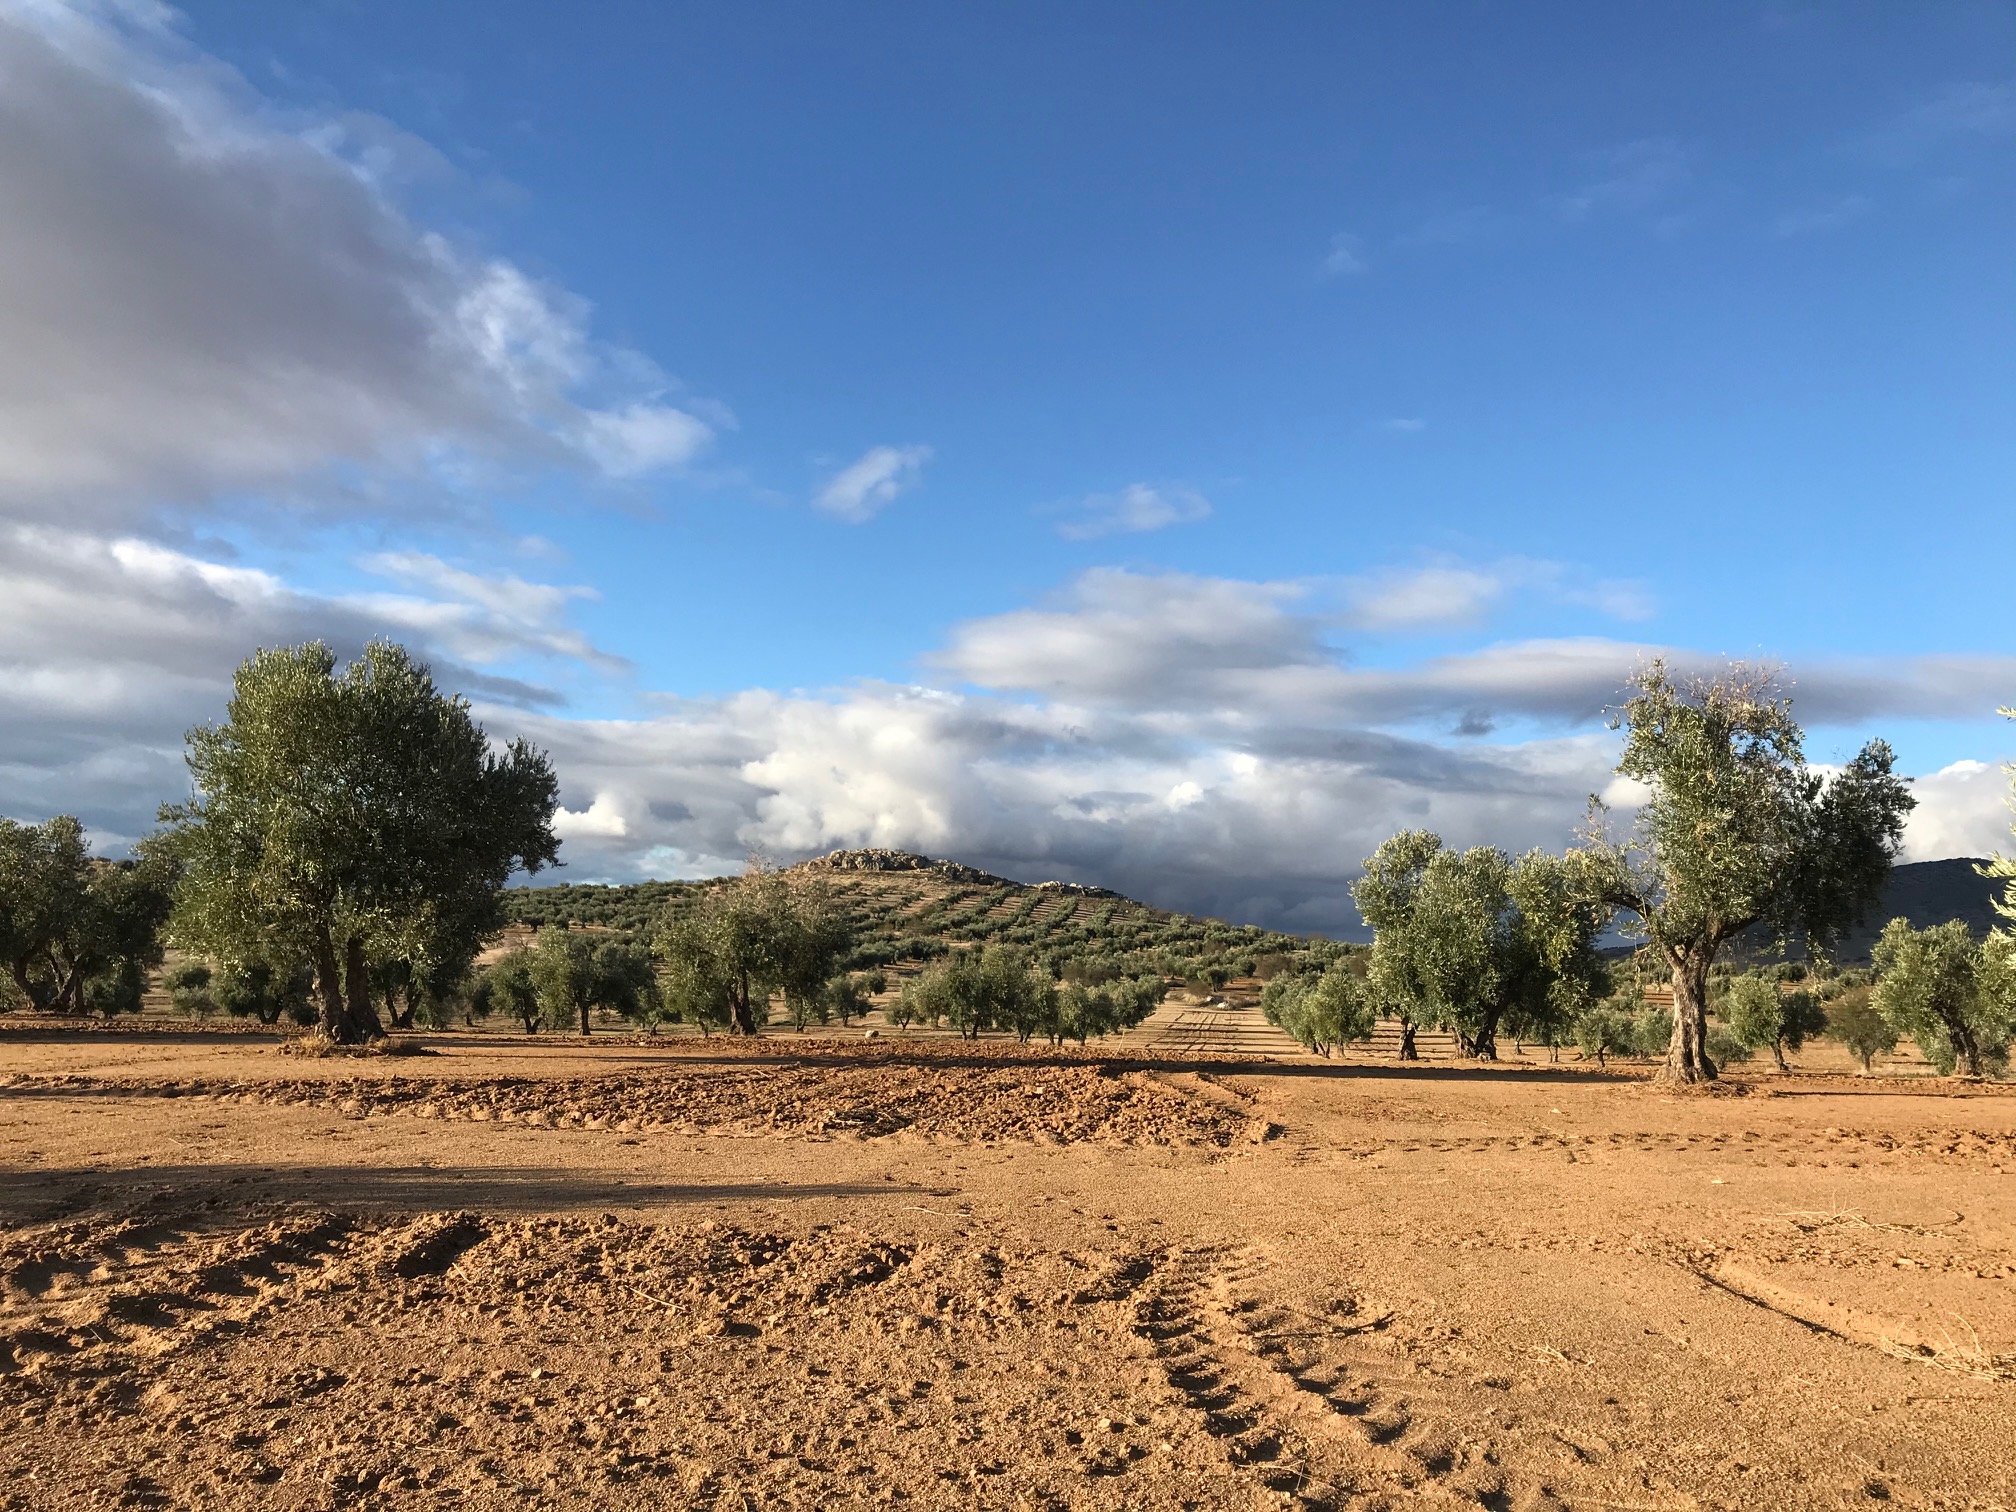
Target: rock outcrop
[(877, 860)]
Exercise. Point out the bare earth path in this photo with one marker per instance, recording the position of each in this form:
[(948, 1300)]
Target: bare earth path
[(824, 1274)]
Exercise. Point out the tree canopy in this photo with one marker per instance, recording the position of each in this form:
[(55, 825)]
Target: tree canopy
[(1474, 941), (338, 814), (1322, 1010), (78, 933), (1948, 992), (1735, 832), (762, 934), (1762, 1017)]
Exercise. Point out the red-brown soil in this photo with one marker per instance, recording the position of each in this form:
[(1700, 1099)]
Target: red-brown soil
[(795, 1275)]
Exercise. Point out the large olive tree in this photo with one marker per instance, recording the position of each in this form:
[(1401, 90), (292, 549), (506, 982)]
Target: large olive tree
[(342, 813), (1736, 832)]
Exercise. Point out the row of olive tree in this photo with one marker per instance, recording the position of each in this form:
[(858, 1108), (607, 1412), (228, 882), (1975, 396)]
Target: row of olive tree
[(1735, 832), (1001, 987)]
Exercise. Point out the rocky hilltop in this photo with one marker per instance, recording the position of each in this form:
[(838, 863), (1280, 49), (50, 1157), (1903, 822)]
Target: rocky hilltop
[(877, 860)]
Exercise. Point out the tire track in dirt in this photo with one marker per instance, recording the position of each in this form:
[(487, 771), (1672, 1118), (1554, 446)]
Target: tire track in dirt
[(1787, 1147), (1293, 1398), (169, 1292)]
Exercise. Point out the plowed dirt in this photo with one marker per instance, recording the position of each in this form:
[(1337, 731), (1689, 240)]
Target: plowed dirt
[(741, 1277)]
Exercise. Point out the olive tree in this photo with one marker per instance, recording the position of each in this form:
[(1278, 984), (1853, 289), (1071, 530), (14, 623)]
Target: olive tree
[(1952, 995), (78, 932), (1735, 832), (1322, 1011), (332, 809), (564, 976), (506, 986), (1853, 1020), (1761, 1017), (1474, 941), (762, 934)]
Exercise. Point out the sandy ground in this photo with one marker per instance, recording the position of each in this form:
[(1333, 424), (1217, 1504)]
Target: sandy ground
[(850, 1273)]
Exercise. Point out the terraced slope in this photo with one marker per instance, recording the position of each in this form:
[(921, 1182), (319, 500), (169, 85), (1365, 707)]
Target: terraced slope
[(908, 909)]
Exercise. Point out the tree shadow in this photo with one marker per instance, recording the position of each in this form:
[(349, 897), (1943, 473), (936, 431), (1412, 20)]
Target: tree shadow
[(206, 1192)]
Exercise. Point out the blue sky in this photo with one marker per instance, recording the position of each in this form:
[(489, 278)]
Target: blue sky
[(1015, 366)]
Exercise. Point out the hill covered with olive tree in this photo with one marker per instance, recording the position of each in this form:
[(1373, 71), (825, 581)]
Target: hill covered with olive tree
[(905, 910)]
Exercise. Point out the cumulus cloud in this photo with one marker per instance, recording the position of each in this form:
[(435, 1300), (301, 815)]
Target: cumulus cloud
[(865, 487), (1134, 510), (1041, 791), (1962, 811), (111, 648), (1198, 742), (200, 298)]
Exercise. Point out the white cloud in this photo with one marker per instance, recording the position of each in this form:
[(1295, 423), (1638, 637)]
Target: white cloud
[(601, 820), (111, 649), (200, 299), (643, 438), (863, 488), (1427, 596), (1193, 741), (481, 618), (1404, 425), (1137, 508), (1963, 810), (1345, 256), (1445, 594)]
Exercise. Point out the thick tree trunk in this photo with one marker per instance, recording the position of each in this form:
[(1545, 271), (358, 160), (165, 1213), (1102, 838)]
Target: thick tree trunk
[(69, 985), (741, 1017), (393, 1015), (1778, 1054), (1966, 1049), (362, 1016), (584, 1018), (1687, 1056), (1485, 1045), (1407, 1050), (329, 1015), (27, 985)]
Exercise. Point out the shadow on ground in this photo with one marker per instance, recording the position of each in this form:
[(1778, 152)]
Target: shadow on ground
[(32, 1195)]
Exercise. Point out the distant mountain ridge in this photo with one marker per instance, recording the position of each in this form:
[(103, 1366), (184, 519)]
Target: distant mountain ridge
[(1927, 893)]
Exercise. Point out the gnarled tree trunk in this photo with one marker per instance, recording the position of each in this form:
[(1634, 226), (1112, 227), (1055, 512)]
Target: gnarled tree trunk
[(1407, 1050), (741, 1017), (1687, 1056), (329, 1015), (361, 1018)]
